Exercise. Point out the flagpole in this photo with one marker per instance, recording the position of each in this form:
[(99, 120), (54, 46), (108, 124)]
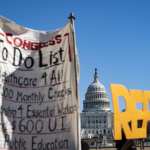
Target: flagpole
[(72, 19)]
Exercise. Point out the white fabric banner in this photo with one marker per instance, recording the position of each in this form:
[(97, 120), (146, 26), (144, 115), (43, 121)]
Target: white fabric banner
[(39, 108)]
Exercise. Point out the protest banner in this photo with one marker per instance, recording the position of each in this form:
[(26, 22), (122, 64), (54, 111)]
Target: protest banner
[(132, 122), (39, 105)]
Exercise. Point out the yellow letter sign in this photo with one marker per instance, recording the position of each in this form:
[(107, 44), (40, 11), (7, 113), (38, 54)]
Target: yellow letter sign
[(132, 121)]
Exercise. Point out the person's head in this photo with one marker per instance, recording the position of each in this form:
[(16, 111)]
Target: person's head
[(84, 145)]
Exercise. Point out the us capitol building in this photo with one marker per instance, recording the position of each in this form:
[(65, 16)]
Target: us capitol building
[(96, 117)]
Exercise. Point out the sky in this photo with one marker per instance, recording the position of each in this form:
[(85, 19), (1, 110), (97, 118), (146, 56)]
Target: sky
[(112, 36)]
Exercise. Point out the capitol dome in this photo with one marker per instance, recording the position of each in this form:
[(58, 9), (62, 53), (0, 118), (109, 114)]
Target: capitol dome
[(96, 98)]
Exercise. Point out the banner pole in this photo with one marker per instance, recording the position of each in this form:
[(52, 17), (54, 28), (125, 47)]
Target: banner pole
[(72, 19)]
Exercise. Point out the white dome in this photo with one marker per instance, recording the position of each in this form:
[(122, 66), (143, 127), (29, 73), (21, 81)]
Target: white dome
[(96, 98), (96, 86)]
